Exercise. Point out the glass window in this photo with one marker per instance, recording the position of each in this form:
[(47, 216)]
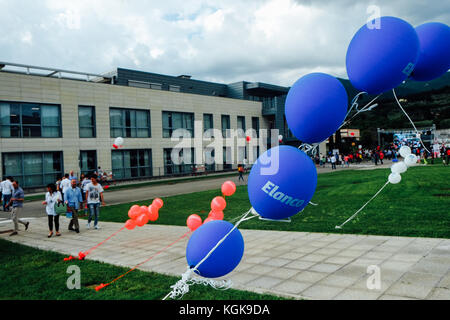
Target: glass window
[(226, 126), (128, 164), (33, 169), (29, 120), (88, 161), (129, 123), (255, 125), (177, 120), (86, 121), (184, 164)]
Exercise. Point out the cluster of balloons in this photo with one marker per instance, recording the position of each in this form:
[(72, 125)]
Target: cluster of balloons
[(400, 167), (218, 204), (141, 215), (377, 60), (206, 235), (118, 143)]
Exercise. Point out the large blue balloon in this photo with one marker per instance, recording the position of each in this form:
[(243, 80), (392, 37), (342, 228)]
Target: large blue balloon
[(282, 182), (315, 107), (434, 58), (380, 59), (227, 255)]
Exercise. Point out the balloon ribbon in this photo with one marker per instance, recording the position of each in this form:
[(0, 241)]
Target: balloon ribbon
[(101, 286)]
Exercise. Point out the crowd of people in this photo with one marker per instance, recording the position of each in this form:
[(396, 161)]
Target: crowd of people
[(69, 194), (378, 154)]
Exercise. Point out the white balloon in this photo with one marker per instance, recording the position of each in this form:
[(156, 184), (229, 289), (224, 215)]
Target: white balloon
[(405, 151), (280, 137), (119, 141), (411, 160), (399, 167), (395, 178)]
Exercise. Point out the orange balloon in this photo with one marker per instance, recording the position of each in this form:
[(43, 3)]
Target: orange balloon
[(216, 215), (218, 204), (134, 211), (130, 224), (193, 222), (141, 220), (158, 203), (209, 220), (228, 188), (143, 210), (152, 213)]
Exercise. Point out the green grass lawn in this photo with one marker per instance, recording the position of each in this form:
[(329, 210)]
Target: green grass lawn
[(32, 274), (418, 206)]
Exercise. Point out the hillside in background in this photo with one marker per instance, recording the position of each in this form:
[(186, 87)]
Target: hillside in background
[(426, 103)]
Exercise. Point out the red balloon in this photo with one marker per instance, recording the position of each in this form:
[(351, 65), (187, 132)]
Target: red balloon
[(152, 213), (143, 210), (209, 219), (130, 224), (142, 220), (105, 187), (134, 212), (218, 204), (248, 138), (115, 146), (158, 203), (193, 222), (228, 188), (216, 215)]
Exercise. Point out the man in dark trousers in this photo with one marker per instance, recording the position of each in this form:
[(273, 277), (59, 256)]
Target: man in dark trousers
[(73, 199), (16, 201)]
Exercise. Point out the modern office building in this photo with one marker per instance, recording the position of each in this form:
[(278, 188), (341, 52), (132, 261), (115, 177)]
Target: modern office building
[(53, 121)]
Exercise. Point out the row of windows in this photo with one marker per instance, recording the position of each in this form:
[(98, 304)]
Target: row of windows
[(37, 169), (24, 120)]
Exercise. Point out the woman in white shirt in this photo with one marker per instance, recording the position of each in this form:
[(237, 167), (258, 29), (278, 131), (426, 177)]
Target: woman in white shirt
[(52, 197)]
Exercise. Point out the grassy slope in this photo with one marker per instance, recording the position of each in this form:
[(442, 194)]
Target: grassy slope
[(417, 206)]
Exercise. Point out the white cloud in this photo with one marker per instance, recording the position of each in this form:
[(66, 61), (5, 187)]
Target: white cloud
[(273, 41)]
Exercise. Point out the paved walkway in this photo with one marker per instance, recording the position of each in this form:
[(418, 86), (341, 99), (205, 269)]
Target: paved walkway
[(291, 264)]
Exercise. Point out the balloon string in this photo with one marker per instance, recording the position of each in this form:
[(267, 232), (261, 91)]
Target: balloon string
[(359, 111), (417, 132), (356, 213), (141, 263), (182, 286), (84, 254)]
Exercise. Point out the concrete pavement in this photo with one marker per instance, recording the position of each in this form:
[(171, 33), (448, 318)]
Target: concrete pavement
[(290, 264)]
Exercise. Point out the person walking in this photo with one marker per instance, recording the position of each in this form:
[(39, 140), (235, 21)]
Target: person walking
[(333, 162), (241, 173), (94, 195), (52, 198), (72, 176), (73, 199), (83, 183), (7, 191), (65, 185), (17, 198)]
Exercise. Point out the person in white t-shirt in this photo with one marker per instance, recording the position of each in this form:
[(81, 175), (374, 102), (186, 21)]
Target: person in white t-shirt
[(7, 190), (94, 195), (52, 198), (65, 185), (333, 162)]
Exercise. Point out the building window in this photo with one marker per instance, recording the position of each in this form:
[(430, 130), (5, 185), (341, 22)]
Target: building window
[(128, 164), (208, 124), (226, 126), (184, 164), (33, 169), (88, 161), (174, 88), (241, 126), (129, 123), (172, 121), (227, 158), (255, 125), (86, 121), (30, 120)]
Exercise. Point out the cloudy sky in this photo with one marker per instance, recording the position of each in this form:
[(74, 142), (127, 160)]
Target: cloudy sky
[(274, 41)]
